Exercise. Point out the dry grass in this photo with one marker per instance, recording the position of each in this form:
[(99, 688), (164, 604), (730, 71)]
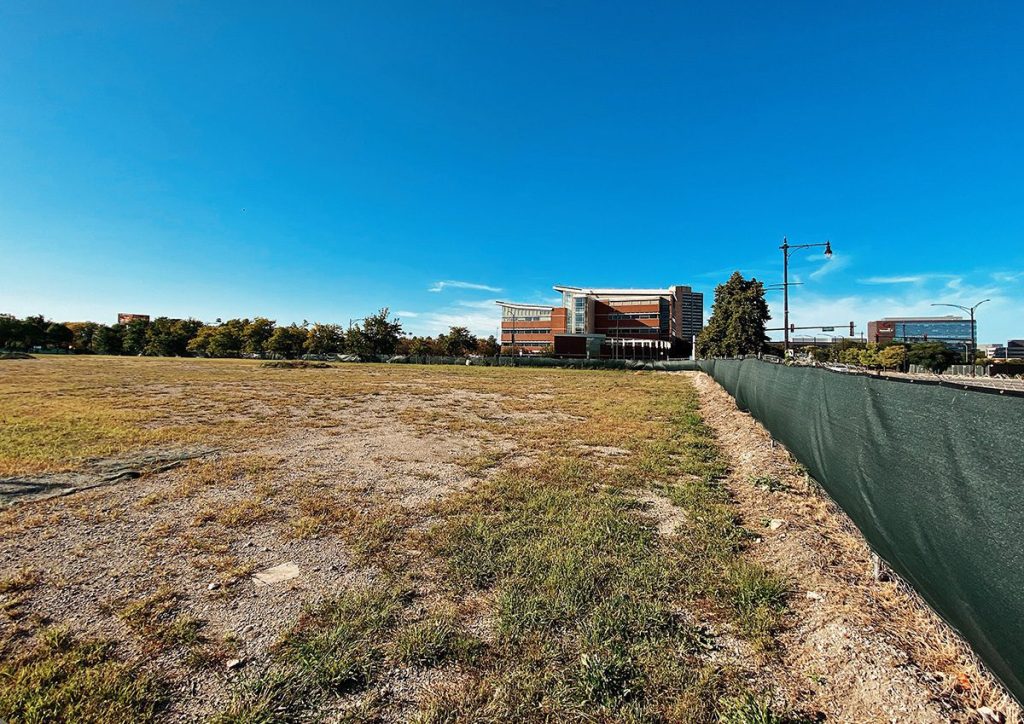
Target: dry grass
[(512, 574)]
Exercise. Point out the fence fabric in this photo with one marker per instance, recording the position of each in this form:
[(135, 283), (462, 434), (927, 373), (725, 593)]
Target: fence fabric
[(931, 475)]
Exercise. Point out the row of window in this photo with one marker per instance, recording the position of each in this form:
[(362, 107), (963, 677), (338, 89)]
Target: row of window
[(634, 315), (529, 330)]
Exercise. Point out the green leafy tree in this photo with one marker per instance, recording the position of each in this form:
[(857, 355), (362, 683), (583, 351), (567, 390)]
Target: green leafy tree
[(11, 334), (167, 337), (107, 340), (81, 335), (869, 356), (59, 336), (324, 339), (377, 335), (458, 342), (287, 341), (934, 356), (134, 336), (893, 357), (420, 346), (256, 334), (850, 356), (222, 340), (738, 318)]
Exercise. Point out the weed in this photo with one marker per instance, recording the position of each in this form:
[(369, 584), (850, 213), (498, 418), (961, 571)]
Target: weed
[(23, 580), (768, 482)]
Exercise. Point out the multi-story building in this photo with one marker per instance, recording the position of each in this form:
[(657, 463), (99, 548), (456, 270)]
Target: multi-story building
[(605, 322), (126, 317), (952, 331), (1013, 349)]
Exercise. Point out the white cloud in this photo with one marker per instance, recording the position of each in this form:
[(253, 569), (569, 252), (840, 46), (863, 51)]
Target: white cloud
[(997, 321), (907, 279), (402, 313), (835, 263), (441, 286)]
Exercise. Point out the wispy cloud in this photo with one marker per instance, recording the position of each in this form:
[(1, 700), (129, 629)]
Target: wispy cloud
[(833, 264), (454, 284), (478, 303), (906, 279), (403, 313)]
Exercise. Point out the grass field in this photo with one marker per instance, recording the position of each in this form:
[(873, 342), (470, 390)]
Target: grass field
[(468, 544)]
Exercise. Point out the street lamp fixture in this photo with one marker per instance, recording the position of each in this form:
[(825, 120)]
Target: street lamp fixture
[(786, 251), (974, 335)]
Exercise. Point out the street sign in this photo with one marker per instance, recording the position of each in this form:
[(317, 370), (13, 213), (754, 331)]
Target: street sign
[(828, 329)]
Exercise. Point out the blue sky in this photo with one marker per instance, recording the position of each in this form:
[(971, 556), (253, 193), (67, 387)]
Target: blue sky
[(318, 161)]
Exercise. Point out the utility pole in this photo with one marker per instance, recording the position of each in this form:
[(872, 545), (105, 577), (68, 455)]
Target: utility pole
[(786, 247)]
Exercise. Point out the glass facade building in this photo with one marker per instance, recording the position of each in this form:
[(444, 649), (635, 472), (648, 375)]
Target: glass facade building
[(954, 332)]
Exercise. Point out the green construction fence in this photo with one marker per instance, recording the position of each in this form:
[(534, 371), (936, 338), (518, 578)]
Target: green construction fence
[(932, 475)]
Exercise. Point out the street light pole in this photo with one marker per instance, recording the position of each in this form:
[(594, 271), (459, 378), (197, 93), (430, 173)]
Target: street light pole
[(974, 341), (786, 247)]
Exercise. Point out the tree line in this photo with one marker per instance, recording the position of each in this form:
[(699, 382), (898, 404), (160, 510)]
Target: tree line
[(377, 334)]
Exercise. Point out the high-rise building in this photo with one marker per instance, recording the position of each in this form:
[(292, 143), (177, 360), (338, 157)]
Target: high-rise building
[(605, 322)]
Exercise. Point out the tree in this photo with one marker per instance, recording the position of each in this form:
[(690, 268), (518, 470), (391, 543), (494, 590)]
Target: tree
[(222, 340), (377, 335), (893, 357), (324, 339), (11, 332), (934, 356), (850, 355), (487, 347), (287, 341), (107, 340), (134, 336), (738, 319), (420, 346), (59, 336), (167, 337), (256, 334), (869, 355), (458, 342), (81, 335)]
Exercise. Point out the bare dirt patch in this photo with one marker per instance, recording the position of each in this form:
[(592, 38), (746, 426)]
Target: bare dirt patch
[(859, 649)]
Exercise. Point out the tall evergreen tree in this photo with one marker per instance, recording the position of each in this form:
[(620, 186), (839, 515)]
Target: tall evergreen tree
[(738, 319)]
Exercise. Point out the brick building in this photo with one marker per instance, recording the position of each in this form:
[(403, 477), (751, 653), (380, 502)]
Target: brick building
[(647, 323), (126, 317)]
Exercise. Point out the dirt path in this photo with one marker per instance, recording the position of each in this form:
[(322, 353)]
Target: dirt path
[(858, 650)]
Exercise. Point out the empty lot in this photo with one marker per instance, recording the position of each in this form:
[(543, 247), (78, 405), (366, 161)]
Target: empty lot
[(216, 540)]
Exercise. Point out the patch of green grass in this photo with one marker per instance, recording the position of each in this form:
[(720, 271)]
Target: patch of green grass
[(62, 678), (337, 647), (586, 599), (751, 709), (757, 597), (433, 641)]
